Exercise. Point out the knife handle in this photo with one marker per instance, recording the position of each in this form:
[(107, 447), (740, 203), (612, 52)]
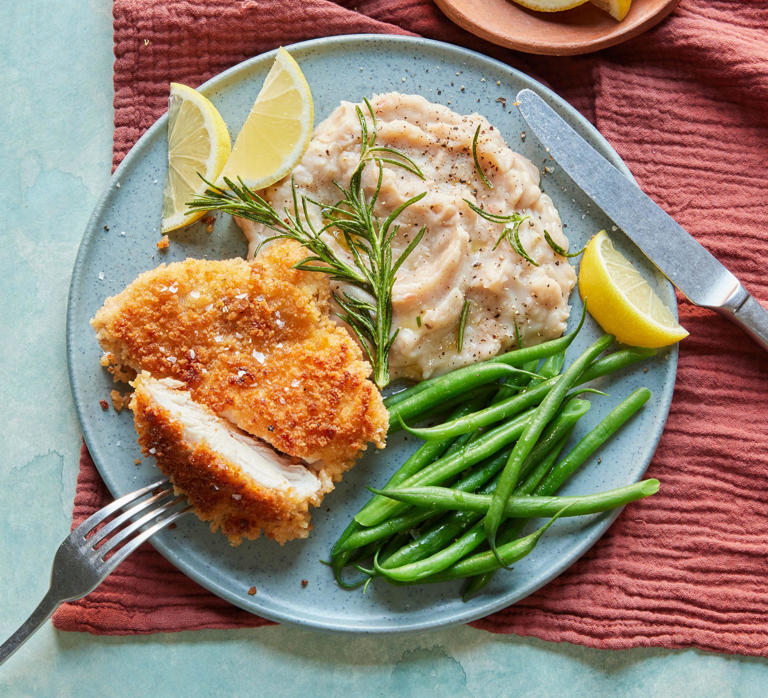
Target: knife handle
[(750, 316)]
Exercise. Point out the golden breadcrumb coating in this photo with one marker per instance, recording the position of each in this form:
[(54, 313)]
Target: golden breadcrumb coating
[(254, 342), (217, 489)]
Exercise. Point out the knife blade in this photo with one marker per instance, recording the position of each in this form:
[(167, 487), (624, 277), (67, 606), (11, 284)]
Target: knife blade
[(683, 260)]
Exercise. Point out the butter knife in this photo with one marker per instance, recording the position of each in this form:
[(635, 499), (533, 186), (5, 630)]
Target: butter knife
[(690, 267)]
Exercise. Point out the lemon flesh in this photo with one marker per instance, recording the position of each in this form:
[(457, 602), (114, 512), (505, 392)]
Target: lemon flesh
[(550, 5), (198, 142), (621, 300), (616, 8), (277, 130)]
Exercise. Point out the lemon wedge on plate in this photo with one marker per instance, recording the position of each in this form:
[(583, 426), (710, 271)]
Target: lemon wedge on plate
[(278, 129), (621, 300), (198, 142), (616, 8), (550, 5)]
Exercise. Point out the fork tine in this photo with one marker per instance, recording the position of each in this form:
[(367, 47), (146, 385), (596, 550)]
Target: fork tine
[(95, 519), (130, 546), (135, 526), (118, 521)]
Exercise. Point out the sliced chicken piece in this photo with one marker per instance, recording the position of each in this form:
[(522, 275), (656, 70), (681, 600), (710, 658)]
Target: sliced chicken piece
[(234, 481)]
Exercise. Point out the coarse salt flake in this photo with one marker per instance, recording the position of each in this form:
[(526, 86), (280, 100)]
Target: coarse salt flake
[(258, 356)]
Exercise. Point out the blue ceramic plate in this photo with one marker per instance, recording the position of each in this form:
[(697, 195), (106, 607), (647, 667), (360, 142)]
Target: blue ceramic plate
[(119, 243)]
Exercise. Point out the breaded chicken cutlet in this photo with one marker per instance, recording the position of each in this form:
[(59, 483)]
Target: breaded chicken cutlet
[(253, 344)]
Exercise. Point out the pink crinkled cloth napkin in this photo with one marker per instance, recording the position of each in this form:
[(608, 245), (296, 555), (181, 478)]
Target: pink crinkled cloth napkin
[(685, 107)]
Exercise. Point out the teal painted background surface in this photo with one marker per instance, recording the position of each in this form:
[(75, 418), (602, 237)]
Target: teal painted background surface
[(55, 154)]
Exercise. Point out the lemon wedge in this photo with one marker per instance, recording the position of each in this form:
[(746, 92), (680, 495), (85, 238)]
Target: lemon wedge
[(198, 142), (550, 5), (621, 300), (278, 129), (616, 8)]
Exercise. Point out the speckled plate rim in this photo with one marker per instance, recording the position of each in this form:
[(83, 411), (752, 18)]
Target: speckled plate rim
[(201, 576)]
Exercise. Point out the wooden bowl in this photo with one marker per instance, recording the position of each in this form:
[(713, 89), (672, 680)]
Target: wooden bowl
[(581, 30)]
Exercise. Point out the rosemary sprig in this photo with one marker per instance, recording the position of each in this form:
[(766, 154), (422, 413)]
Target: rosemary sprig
[(477, 162), (369, 239), (462, 325), (510, 233)]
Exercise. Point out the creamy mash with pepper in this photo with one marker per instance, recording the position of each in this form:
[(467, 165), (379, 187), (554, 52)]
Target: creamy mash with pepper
[(457, 260)]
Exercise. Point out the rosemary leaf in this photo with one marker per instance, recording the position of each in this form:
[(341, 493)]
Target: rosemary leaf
[(518, 338), (477, 162), (561, 250), (492, 217), (462, 324)]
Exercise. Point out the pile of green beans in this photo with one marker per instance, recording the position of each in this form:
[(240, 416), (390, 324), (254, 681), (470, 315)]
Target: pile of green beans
[(456, 508)]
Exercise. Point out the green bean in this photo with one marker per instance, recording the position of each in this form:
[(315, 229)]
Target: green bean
[(517, 357), (481, 563), (550, 367), (519, 507), (512, 386), (474, 585), (354, 537), (339, 560), (443, 531), (543, 414), (593, 440), (469, 483), (348, 557), (450, 465), (416, 571), (486, 445), (452, 525), (485, 417), (512, 528), (462, 380), (526, 506), (532, 396), (575, 458), (536, 475), (423, 456), (616, 361), (385, 529)]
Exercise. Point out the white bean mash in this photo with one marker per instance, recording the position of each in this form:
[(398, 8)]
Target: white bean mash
[(456, 260)]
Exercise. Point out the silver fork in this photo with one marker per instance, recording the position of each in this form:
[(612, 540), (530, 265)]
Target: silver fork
[(83, 560)]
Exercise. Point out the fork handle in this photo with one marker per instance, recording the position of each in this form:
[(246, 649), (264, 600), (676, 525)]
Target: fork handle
[(42, 613)]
